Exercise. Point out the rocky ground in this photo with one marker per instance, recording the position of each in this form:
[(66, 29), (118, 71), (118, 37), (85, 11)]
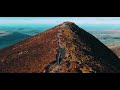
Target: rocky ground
[(65, 48), (116, 50)]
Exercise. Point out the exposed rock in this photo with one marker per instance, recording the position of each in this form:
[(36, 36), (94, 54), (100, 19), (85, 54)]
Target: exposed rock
[(116, 50), (65, 48)]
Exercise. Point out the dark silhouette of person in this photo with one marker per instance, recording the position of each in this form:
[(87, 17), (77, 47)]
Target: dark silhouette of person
[(60, 54)]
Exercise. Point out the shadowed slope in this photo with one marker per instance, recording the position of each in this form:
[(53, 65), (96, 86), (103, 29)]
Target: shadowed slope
[(116, 50), (64, 48)]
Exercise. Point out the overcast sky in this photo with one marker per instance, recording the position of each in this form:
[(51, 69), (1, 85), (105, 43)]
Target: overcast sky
[(58, 20)]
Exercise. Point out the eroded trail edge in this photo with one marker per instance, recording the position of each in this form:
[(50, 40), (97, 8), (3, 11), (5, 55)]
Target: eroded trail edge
[(59, 56)]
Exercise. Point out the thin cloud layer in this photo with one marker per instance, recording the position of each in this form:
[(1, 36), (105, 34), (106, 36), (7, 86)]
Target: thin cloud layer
[(57, 20)]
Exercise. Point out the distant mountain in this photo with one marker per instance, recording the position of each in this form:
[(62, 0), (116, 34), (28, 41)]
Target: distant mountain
[(65, 48), (12, 38)]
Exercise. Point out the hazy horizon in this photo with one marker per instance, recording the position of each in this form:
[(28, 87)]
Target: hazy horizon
[(15, 29)]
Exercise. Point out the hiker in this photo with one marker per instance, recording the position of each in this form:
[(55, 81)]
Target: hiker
[(60, 54)]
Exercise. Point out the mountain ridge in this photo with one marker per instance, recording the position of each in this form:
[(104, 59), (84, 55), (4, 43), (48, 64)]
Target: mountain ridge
[(65, 48)]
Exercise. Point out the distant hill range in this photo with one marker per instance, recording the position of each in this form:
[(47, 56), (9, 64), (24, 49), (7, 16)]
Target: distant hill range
[(65, 48), (12, 38)]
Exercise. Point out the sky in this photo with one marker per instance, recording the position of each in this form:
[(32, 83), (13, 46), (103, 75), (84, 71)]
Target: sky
[(58, 20)]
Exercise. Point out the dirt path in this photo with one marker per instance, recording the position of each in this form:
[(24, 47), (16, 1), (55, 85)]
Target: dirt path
[(59, 56)]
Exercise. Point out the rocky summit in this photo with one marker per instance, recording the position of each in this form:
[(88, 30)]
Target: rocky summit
[(65, 48)]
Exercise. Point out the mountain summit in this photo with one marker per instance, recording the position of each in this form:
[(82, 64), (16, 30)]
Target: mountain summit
[(62, 49)]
